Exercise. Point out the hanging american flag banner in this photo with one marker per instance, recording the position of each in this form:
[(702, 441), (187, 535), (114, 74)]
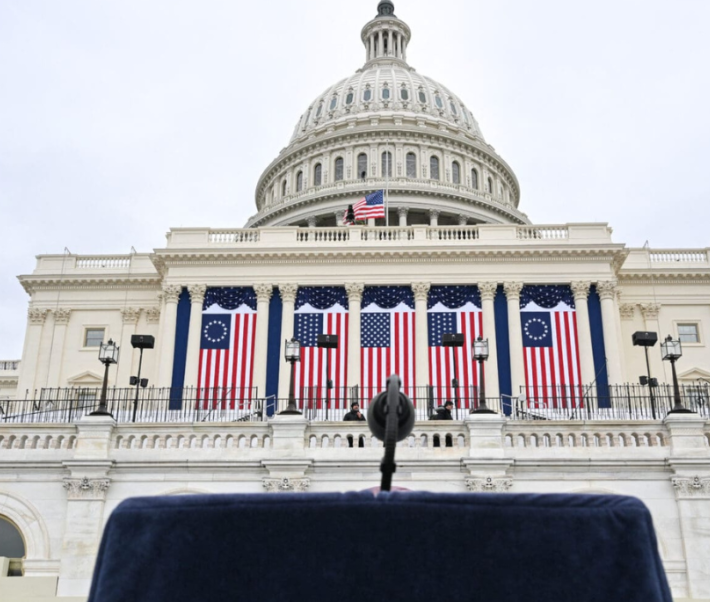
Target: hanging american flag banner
[(227, 348), (551, 354), (454, 310), (387, 327), (321, 310)]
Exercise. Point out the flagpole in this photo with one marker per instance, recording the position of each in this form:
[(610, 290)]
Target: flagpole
[(387, 184)]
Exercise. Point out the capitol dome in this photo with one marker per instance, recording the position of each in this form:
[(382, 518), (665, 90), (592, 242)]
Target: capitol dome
[(387, 127)]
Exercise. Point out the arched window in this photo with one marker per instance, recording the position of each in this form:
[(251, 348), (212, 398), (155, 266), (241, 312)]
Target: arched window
[(320, 109), (439, 102), (456, 172), (283, 188), (434, 168), (12, 545), (338, 169), (299, 181), (490, 185), (362, 166), (385, 93), (333, 103), (474, 179), (367, 94), (404, 93), (411, 165), (350, 97), (387, 164), (453, 108), (318, 174), (422, 96)]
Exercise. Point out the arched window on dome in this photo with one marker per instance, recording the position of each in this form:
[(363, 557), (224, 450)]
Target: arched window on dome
[(318, 174), (283, 189), (456, 172), (422, 95), (319, 112), (490, 186), (434, 168), (387, 164), (474, 179), (333, 103), (404, 93), (385, 92), (454, 112), (438, 101), (367, 94), (362, 166), (12, 544), (411, 165), (338, 169), (350, 97), (299, 181)]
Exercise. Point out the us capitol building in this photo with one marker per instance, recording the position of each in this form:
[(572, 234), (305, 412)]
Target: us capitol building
[(557, 304)]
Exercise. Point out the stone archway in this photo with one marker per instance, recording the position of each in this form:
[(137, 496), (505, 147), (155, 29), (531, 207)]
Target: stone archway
[(31, 525)]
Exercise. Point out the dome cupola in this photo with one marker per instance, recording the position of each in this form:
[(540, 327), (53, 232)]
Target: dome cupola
[(386, 36)]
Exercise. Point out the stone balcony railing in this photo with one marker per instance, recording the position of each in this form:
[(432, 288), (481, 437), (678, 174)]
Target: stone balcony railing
[(9, 366), (664, 259)]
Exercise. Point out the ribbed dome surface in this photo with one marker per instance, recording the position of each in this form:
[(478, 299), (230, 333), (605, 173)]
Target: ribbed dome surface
[(380, 89)]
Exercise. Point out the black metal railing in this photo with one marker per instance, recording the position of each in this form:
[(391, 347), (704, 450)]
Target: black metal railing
[(611, 402)]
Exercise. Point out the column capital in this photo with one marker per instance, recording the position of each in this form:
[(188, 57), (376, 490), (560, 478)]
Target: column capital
[(130, 315), (311, 221), (487, 290), (607, 289), (650, 310), (263, 292), (580, 289), (172, 293), (36, 315), (691, 487), (62, 315), (513, 290), (434, 213), (288, 292), (86, 488), (463, 219), (152, 315), (354, 290), (402, 211), (627, 311), (197, 293), (421, 290)]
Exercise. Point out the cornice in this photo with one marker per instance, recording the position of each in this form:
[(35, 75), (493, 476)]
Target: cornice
[(33, 284), (701, 277)]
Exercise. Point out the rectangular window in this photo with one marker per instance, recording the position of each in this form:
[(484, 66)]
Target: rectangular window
[(93, 337), (688, 333)]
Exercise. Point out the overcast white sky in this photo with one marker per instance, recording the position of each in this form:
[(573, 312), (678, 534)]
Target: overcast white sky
[(122, 118)]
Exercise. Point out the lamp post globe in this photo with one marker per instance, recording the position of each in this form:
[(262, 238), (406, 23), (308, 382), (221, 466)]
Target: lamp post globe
[(671, 351)]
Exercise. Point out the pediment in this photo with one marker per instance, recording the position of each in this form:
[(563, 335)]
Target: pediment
[(88, 378), (694, 374)]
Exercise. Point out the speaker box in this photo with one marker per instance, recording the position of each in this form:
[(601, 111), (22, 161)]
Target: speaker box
[(328, 341), (644, 339), (143, 341), (452, 340)]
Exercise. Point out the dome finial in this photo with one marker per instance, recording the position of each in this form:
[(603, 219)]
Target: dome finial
[(385, 8)]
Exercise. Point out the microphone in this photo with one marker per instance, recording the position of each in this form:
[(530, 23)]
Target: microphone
[(391, 419)]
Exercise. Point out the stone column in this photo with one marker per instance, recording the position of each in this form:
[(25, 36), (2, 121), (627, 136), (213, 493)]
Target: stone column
[(261, 344), (434, 217), (192, 359), (402, 212), (152, 362), (515, 336), (86, 488), (421, 296), (580, 290), (389, 43), (166, 347), (612, 341), (311, 221), (130, 316), (488, 294), (463, 220), (61, 320), (340, 218), (44, 357), (288, 299), (30, 353), (354, 291)]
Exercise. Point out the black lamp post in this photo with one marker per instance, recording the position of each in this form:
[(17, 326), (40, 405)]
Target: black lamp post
[(671, 350), (108, 354), (140, 341), (479, 350), (647, 339), (453, 340), (292, 353)]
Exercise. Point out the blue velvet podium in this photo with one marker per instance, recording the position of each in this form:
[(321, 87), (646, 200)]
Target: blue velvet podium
[(358, 547)]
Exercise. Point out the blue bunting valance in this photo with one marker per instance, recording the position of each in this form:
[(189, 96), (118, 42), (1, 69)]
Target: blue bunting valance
[(453, 297), (321, 297), (388, 297), (230, 297), (547, 295)]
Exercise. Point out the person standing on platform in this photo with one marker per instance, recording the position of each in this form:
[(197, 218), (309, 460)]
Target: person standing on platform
[(354, 414)]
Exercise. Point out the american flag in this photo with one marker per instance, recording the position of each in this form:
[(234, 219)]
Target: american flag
[(373, 205), (310, 377), (468, 321), (226, 357), (552, 369), (386, 347)]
